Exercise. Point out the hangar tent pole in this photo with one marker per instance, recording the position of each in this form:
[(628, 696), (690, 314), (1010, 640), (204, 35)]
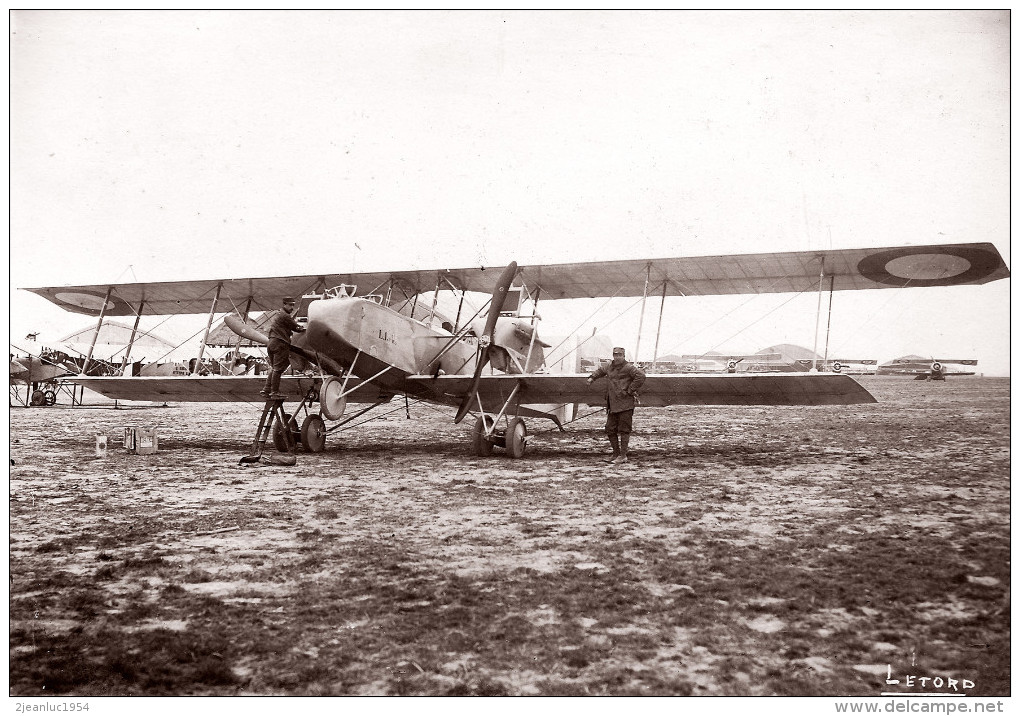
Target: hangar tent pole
[(818, 315), (95, 334), (641, 320), (131, 340), (658, 328), (208, 326)]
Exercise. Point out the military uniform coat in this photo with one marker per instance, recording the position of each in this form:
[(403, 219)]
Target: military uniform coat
[(624, 381)]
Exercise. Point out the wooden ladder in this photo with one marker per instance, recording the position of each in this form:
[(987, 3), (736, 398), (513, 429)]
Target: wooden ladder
[(272, 413)]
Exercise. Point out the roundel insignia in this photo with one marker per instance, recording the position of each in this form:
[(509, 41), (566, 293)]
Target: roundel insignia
[(87, 302), (923, 266)]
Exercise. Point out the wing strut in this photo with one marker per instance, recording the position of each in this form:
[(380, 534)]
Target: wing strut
[(534, 333), (658, 328), (237, 345), (131, 340), (208, 327), (95, 335), (818, 315), (641, 318), (828, 325), (435, 299)]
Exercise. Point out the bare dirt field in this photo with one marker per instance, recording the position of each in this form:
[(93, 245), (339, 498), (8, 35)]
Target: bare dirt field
[(744, 551)]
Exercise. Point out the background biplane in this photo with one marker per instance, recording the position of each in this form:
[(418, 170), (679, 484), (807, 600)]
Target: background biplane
[(921, 368), (39, 374), (76, 355), (391, 340), (775, 359)]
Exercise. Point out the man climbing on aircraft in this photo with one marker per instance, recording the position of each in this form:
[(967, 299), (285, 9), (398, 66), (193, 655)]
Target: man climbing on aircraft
[(280, 328), (625, 379)]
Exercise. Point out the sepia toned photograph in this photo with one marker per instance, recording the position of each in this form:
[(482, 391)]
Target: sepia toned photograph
[(568, 354)]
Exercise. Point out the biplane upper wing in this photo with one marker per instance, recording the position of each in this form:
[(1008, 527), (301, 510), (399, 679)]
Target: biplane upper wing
[(790, 272), (659, 390), (214, 389)]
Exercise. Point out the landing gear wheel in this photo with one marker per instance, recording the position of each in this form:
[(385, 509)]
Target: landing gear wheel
[(49, 397), (516, 438), (280, 439), (481, 445), (38, 398), (313, 434), (330, 402)]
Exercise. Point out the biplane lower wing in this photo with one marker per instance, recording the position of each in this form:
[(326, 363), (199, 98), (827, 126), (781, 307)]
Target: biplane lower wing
[(659, 390), (215, 389), (494, 390)]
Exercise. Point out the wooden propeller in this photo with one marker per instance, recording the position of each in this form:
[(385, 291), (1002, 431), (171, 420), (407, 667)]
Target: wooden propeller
[(485, 340)]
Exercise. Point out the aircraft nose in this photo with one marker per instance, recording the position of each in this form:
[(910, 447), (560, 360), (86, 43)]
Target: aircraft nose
[(328, 320)]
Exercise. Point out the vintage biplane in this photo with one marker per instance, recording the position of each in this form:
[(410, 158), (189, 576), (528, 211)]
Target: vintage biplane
[(767, 362), (369, 346), (714, 362), (849, 366), (42, 370), (921, 368), (39, 374)]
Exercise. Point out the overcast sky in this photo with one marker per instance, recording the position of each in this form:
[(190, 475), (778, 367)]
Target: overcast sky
[(157, 146)]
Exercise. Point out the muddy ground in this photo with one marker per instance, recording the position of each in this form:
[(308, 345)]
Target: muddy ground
[(744, 551)]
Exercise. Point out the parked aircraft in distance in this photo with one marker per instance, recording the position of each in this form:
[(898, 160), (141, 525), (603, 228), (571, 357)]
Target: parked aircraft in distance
[(782, 358), (921, 368), (39, 376)]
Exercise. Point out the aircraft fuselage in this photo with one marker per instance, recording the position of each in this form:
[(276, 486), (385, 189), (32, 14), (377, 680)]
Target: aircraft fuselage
[(374, 337)]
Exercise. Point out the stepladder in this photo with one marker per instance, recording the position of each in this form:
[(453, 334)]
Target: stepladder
[(272, 416)]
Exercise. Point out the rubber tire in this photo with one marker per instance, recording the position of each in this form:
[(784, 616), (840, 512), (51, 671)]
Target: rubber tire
[(49, 397), (516, 438), (480, 445), (278, 438), (327, 405), (38, 398), (313, 434)]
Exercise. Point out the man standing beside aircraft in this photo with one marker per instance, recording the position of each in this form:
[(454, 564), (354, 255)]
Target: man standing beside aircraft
[(625, 379), (280, 328)]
